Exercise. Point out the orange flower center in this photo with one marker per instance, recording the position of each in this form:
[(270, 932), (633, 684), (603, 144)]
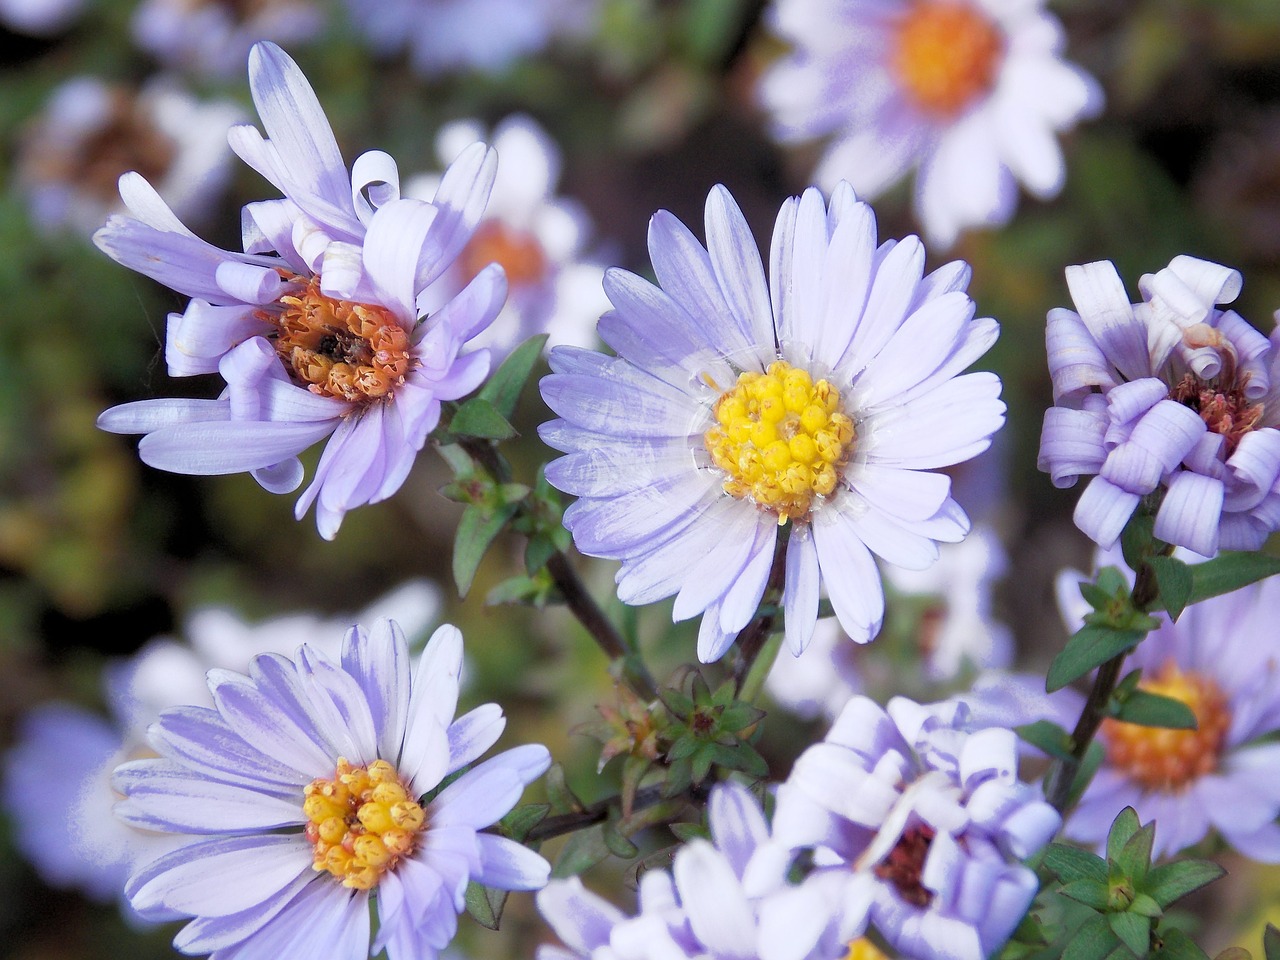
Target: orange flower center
[(352, 351), (1162, 759), (945, 55), (904, 866), (361, 822), (517, 251)]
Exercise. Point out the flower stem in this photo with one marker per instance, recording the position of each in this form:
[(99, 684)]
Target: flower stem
[(1062, 777), (598, 812), (753, 636)]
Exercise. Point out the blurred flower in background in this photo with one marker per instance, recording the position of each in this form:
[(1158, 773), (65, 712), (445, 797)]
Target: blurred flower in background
[(71, 836), (539, 239), (39, 18), (483, 35), (213, 37), (970, 91), (91, 132)]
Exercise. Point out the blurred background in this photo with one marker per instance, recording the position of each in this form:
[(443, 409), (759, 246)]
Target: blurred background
[(648, 104)]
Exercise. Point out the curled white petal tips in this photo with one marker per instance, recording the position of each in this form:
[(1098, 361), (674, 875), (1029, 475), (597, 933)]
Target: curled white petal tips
[(318, 328), (1172, 396), (969, 92), (313, 784), (808, 402)]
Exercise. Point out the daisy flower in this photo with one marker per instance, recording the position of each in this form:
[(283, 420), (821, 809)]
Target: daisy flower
[(39, 18), (212, 37), (1220, 776), (700, 909), (301, 799), (538, 238), (802, 415), (913, 813), (486, 35), (1171, 394), (315, 328), (970, 91), (91, 132), (74, 840)]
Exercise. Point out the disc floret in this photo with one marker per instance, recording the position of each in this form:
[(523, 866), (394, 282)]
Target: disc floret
[(945, 55), (781, 439)]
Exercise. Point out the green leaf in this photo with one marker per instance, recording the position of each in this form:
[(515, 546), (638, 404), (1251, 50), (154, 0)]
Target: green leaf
[(1176, 945), (1094, 754), (477, 528), (1172, 881), (1137, 539), (1048, 737), (702, 761), (686, 831), (1175, 581), (505, 385), (1271, 942), (1090, 647), (485, 905), (583, 851), (562, 799), (521, 820), (1092, 941), (1124, 826), (1135, 858), (1230, 571), (1133, 930), (1145, 906), (618, 845), (1234, 953), (1072, 863), (1155, 710), (1091, 893), (480, 418)]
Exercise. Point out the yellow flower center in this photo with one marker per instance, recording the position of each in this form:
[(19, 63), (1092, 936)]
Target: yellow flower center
[(352, 351), (518, 253), (361, 822), (864, 949), (945, 55), (781, 440), (1162, 759)]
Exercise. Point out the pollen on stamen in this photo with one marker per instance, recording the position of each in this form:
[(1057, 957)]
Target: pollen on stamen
[(1159, 758), (781, 440), (352, 351), (945, 54), (361, 822)]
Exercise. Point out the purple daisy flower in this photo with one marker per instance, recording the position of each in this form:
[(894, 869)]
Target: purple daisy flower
[(301, 797), (1170, 394), (814, 405), (970, 91), (316, 326), (698, 910), (922, 819), (1217, 660)]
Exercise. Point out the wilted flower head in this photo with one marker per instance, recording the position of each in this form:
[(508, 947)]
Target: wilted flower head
[(1171, 394), (538, 238), (305, 791), (801, 415), (71, 836), (486, 35), (970, 91), (213, 37), (924, 820), (91, 132), (1222, 660), (316, 326)]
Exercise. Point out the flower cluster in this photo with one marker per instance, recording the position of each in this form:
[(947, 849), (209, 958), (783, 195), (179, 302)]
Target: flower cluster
[(315, 326), (1170, 394)]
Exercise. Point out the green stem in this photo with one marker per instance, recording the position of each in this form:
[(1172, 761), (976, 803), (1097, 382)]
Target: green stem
[(753, 636)]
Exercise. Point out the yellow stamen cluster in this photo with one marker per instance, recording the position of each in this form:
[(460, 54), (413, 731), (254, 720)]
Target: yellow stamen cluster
[(945, 54), (361, 822), (518, 252), (781, 439), (1163, 759), (352, 351), (864, 949)]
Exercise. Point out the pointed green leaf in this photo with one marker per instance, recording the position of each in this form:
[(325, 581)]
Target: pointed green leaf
[(505, 385), (618, 845), (1124, 826), (479, 418), (561, 797), (1048, 737), (1112, 582), (1090, 647), (1176, 945), (685, 831), (1137, 539), (1089, 892), (1072, 863), (1230, 571), (1135, 858), (1092, 941), (1133, 930), (1172, 881), (477, 528), (1175, 582), (485, 905), (1093, 757), (521, 820), (1271, 942), (1146, 906), (1155, 710), (1234, 953), (583, 851)]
